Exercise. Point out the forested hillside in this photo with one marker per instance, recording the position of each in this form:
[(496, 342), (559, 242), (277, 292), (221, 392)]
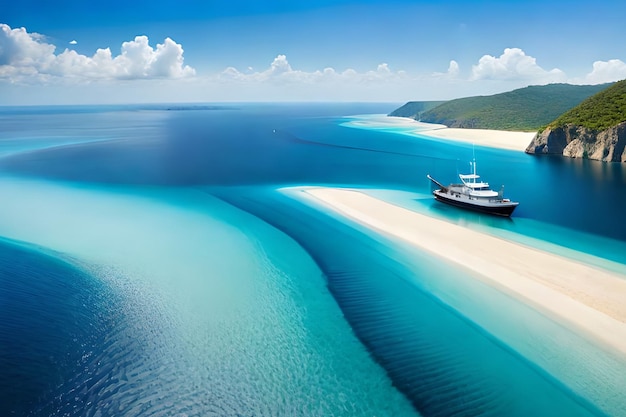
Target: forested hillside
[(599, 112), (414, 109), (526, 109)]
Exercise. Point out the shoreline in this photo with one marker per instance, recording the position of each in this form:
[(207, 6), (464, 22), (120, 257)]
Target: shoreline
[(500, 139), (587, 299)]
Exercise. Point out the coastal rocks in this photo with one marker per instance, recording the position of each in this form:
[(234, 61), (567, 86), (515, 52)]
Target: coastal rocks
[(579, 142)]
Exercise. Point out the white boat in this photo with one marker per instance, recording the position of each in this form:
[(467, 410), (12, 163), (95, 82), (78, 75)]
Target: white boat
[(474, 194)]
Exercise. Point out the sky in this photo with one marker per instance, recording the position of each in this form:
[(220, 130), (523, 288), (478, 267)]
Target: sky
[(139, 51)]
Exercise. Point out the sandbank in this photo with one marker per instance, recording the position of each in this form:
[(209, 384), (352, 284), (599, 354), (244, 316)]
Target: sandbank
[(585, 298)]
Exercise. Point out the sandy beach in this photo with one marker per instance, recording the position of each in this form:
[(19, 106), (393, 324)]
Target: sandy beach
[(515, 141), (502, 139), (585, 298)]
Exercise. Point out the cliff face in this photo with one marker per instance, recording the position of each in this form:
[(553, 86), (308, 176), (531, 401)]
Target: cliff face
[(579, 142)]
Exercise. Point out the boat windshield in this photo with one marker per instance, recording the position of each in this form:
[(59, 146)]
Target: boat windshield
[(469, 176)]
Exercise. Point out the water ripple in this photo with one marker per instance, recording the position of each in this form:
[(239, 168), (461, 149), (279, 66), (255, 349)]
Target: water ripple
[(444, 363)]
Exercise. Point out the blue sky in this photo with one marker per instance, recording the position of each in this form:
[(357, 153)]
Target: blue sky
[(68, 52)]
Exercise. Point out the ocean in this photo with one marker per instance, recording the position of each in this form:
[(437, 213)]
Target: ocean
[(155, 262)]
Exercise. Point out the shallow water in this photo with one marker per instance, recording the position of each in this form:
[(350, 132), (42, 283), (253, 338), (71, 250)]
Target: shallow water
[(217, 309), (434, 326)]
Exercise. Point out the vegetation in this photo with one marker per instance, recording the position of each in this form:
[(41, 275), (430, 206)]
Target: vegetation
[(414, 109), (523, 109), (599, 112)]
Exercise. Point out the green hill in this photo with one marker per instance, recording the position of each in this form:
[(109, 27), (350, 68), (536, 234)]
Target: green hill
[(526, 109), (599, 112), (414, 109)]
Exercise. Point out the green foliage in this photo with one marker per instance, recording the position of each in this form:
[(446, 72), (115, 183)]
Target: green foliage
[(599, 112), (414, 109), (523, 109)]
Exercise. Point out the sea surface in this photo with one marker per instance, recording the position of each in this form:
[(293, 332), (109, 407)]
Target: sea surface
[(157, 260)]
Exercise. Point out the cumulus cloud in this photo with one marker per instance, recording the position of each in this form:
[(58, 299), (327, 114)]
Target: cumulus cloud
[(383, 69), (281, 79), (453, 69), (514, 64), (281, 71), (452, 72), (73, 42), (280, 65), (27, 57), (606, 71), (139, 60), (19, 48)]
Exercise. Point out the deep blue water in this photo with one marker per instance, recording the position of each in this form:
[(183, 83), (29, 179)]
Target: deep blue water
[(444, 363), (66, 308), (302, 144)]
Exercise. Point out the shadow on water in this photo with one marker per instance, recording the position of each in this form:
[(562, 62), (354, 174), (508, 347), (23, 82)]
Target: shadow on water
[(228, 148)]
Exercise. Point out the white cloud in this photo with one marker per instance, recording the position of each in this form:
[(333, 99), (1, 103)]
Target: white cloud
[(283, 81), (383, 69), (73, 42), (453, 69), (280, 65), (452, 72), (139, 60), (280, 71), (514, 64), (21, 49), (27, 57), (606, 71)]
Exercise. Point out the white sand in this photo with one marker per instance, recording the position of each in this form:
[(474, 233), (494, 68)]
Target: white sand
[(503, 139), (515, 141), (586, 298)]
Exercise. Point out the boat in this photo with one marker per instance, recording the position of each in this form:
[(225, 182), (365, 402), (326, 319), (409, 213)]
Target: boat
[(474, 194)]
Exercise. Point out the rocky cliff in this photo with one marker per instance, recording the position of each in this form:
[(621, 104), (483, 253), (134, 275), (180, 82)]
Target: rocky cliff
[(579, 142)]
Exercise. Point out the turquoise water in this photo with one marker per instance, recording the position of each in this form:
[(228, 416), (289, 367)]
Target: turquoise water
[(434, 326), (193, 284), (220, 314)]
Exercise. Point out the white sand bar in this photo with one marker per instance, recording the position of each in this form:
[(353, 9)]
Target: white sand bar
[(515, 141), (589, 299)]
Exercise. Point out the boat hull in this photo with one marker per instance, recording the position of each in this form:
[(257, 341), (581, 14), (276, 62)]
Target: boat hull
[(497, 208)]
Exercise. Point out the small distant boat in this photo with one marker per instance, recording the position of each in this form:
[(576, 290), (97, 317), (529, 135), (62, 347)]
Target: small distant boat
[(474, 194)]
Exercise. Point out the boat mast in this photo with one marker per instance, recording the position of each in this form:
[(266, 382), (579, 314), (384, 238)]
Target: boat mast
[(474, 162), (474, 165)]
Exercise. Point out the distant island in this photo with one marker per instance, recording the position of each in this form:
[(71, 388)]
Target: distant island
[(595, 129), (578, 121), (187, 107)]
